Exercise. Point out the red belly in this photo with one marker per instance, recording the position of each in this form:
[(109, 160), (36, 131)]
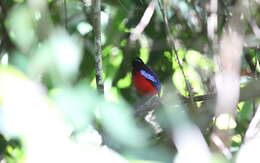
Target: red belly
[(143, 86)]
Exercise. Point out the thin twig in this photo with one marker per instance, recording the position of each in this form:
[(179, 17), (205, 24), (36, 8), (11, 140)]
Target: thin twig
[(96, 7), (204, 97), (171, 43)]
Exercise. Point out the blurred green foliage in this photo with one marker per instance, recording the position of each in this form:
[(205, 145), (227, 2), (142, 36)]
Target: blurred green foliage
[(50, 110)]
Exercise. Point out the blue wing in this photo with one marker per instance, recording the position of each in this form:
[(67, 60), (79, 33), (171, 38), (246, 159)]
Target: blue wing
[(152, 78)]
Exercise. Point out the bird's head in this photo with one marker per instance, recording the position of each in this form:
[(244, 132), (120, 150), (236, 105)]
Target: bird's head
[(137, 63)]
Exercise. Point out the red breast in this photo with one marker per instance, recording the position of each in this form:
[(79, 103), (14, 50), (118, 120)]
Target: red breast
[(143, 86)]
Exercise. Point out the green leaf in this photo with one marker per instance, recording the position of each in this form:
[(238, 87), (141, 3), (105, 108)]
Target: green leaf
[(192, 76), (245, 112)]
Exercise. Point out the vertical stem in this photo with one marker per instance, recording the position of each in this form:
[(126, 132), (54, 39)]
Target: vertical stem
[(171, 43), (96, 7)]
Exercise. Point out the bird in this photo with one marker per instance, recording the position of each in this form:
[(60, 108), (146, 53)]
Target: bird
[(144, 79)]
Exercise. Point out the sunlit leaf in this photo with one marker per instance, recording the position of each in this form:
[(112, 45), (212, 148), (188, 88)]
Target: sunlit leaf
[(124, 82), (237, 138), (225, 122), (179, 82), (192, 76), (168, 55), (144, 50), (116, 56), (196, 59)]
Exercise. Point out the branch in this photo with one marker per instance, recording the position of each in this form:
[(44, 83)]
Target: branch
[(250, 91), (227, 79), (143, 22), (96, 7), (171, 43), (147, 106)]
